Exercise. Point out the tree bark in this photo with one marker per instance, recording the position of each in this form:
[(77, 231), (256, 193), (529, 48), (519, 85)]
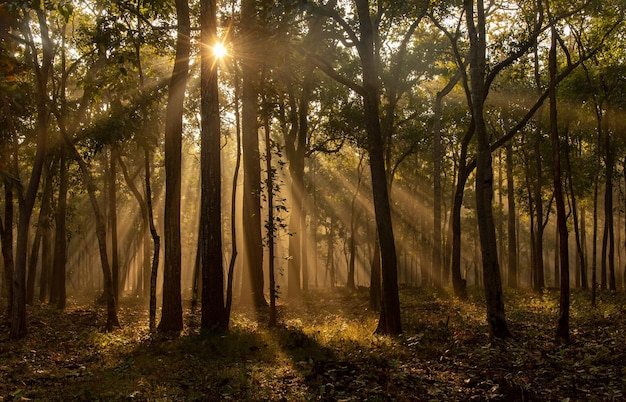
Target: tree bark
[(511, 224), (7, 243), (172, 313), (353, 218), (562, 329), (608, 212), (156, 239), (27, 201), (437, 191), (60, 236), (580, 239), (484, 174), (389, 320), (233, 206), (115, 264), (213, 309), (459, 284), (253, 282), (44, 224)]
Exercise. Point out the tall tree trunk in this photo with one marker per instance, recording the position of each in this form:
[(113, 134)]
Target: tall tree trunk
[(253, 286), (389, 320), (458, 283), (581, 264), (213, 309), (156, 239), (608, 210), (7, 243), (624, 171), (330, 245), (115, 264), (353, 218), (437, 191), (594, 241), (60, 236), (562, 329), (43, 227), (511, 224), (233, 206), (269, 184), (557, 275), (537, 263), (172, 313), (27, 200), (484, 174)]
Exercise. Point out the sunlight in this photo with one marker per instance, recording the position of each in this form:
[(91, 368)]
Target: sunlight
[(219, 50)]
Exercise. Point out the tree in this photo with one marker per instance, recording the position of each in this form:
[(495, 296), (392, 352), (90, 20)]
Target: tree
[(60, 236), (389, 321), (511, 219), (172, 314), (213, 309), (253, 245), (26, 201), (562, 330), (496, 319)]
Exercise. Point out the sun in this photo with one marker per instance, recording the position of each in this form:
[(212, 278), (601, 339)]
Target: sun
[(219, 50)]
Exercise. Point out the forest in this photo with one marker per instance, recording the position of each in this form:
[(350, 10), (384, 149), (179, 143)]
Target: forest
[(312, 200)]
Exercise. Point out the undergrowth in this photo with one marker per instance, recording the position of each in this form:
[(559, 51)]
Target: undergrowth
[(325, 348)]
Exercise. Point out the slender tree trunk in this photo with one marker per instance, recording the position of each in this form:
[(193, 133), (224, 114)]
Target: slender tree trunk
[(253, 286), (172, 313), (115, 264), (538, 271), (269, 183), (43, 226), (511, 224), (27, 200), (557, 275), (213, 309), (156, 239), (562, 329), (330, 245), (389, 320), (594, 241), (437, 190), (581, 264), (608, 212), (500, 221), (60, 237), (484, 174), (7, 243), (353, 218), (233, 206), (458, 283)]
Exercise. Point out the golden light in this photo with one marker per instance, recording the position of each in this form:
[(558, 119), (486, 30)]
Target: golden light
[(219, 50)]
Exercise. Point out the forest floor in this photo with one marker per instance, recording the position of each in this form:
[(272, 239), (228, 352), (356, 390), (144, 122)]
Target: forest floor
[(324, 349)]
